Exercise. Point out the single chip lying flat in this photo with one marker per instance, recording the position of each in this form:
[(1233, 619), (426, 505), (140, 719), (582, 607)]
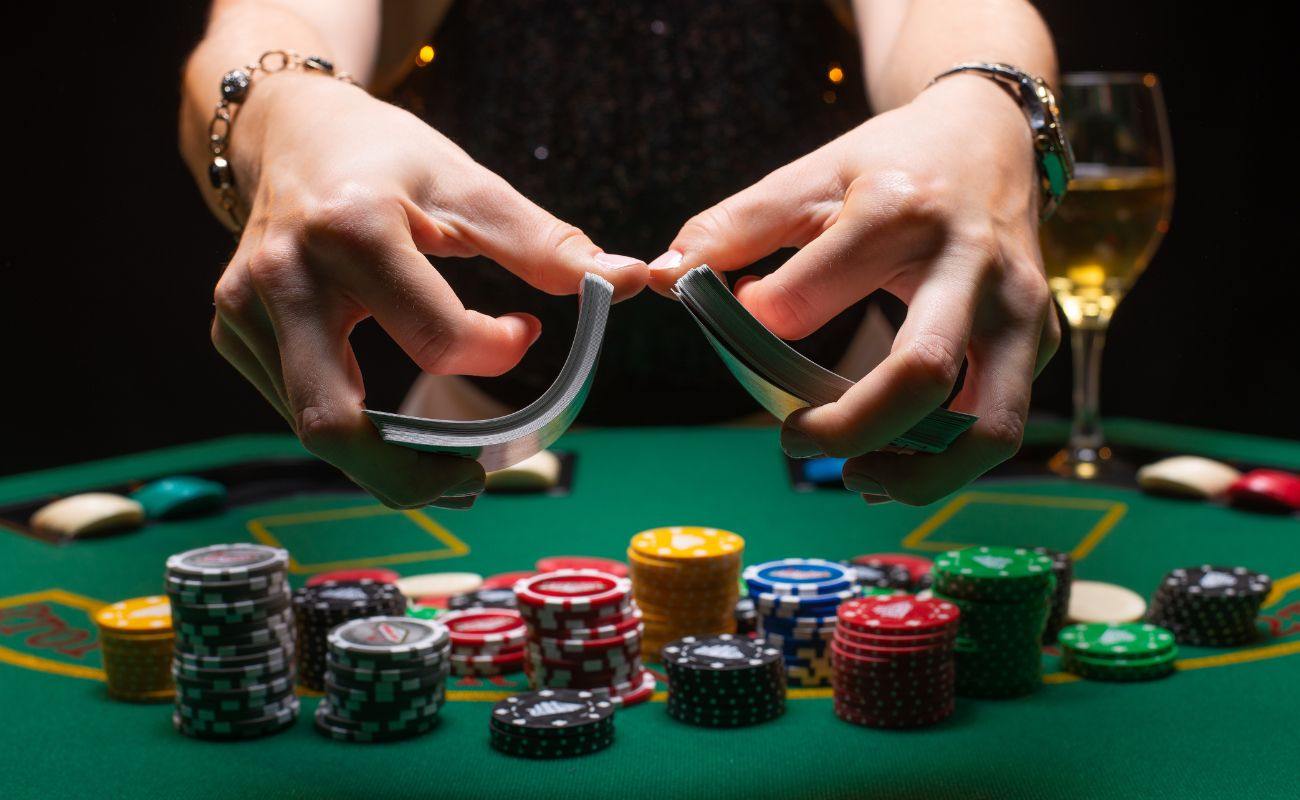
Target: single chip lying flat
[(1187, 476), (439, 584), (180, 496), (1093, 601), (88, 514), (538, 473), (1266, 490)]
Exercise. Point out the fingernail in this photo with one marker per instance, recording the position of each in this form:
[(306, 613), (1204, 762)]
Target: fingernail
[(455, 503), (797, 445), (863, 484), (876, 499), (670, 260), (469, 488), (612, 261)]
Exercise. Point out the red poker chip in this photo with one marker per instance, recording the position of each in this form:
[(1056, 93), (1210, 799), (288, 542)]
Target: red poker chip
[(430, 602), (583, 647), (916, 566), (626, 623), (1269, 490), (484, 626), (573, 591), (506, 580), (947, 640), (846, 661), (568, 680), (553, 563), (609, 660), (909, 654), (885, 614), (373, 574), (548, 619), (514, 657)]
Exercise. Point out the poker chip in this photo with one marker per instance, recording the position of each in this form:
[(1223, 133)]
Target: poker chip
[(484, 598), (1094, 601), (917, 567), (1121, 652), (486, 641), (893, 661), (685, 580), (136, 641), (1266, 490), (1005, 596), (233, 661), (551, 724), (1063, 569), (584, 632), (795, 600), (1209, 606), (385, 679), (322, 606), (375, 574), (607, 565), (439, 584), (724, 681), (506, 580)]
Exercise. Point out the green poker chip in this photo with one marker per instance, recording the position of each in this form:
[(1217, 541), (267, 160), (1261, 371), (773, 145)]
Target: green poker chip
[(1123, 641)]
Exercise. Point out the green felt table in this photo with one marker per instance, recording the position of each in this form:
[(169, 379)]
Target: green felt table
[(1226, 725)]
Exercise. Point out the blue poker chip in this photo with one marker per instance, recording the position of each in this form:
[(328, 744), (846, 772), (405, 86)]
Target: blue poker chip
[(790, 605), (805, 577), (824, 471)]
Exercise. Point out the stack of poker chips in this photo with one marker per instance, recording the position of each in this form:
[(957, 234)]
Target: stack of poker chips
[(319, 608), (485, 642), (1005, 594), (136, 639), (898, 571), (686, 582), (584, 632), (552, 723), (483, 598), (385, 679), (1063, 569), (234, 657), (746, 616), (893, 659), (1209, 606), (1129, 651), (724, 681), (795, 599)]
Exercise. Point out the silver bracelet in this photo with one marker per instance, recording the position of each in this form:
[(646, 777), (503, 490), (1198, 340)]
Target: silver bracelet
[(235, 86)]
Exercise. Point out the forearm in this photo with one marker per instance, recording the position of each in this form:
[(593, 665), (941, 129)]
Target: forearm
[(906, 43), (239, 31)]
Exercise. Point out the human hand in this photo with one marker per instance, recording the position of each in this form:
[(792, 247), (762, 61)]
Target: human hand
[(347, 195), (935, 202)]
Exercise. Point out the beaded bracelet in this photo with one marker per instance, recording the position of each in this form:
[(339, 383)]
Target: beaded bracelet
[(235, 86)]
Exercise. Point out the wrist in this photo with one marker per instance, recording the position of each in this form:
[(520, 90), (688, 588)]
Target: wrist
[(976, 100)]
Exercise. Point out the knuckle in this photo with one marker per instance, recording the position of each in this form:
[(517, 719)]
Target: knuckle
[(322, 430), (351, 217), (432, 345), (908, 195), (232, 296), (1004, 430), (271, 265), (785, 309), (709, 224), (932, 361)]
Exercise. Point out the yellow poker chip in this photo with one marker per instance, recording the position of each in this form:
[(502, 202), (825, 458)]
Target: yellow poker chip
[(687, 542), (136, 615)]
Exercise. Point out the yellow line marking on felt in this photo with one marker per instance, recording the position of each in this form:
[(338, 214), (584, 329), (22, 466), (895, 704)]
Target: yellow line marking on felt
[(1281, 588), (1114, 509), (260, 528), (28, 661)]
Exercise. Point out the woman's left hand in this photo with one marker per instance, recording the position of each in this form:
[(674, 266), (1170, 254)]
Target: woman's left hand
[(937, 203)]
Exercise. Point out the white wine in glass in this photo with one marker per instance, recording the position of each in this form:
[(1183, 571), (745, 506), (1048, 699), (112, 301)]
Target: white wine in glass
[(1105, 231)]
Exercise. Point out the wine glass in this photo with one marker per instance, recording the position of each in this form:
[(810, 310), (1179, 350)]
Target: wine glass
[(1105, 231)]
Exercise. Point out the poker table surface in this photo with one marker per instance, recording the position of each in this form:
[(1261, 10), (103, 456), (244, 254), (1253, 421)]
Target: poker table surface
[(1225, 725)]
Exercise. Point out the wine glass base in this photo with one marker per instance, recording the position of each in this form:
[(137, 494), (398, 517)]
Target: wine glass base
[(1087, 463)]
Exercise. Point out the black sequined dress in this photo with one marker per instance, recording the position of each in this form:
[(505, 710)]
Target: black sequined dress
[(625, 119)]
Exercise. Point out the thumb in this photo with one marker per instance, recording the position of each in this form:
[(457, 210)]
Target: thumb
[(784, 209)]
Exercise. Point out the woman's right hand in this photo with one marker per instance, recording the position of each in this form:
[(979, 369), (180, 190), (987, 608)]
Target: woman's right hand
[(347, 195)]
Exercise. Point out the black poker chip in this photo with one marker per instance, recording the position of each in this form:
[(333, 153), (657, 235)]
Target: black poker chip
[(548, 710), (1063, 569), (484, 598), (1210, 606), (321, 608), (724, 681), (881, 576)]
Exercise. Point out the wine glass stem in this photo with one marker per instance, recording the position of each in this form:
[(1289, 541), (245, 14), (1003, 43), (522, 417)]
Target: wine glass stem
[(1085, 433)]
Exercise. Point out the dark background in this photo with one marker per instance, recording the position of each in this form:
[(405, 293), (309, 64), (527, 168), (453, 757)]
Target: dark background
[(109, 255)]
